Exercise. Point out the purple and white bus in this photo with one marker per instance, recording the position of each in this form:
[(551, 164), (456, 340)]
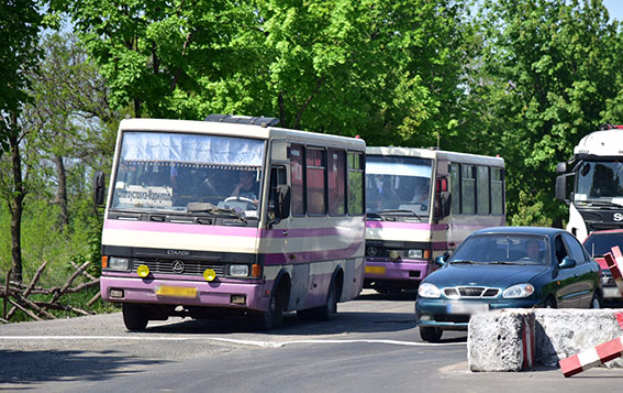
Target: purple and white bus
[(422, 203), (231, 217)]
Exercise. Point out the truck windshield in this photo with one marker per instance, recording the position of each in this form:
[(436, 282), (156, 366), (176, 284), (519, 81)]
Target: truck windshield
[(398, 184), (188, 173), (600, 180)]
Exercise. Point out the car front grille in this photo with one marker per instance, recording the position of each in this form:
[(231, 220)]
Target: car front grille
[(471, 292), (185, 268)]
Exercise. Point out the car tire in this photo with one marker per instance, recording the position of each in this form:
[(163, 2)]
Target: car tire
[(135, 317), (430, 334), (596, 301), (550, 303)]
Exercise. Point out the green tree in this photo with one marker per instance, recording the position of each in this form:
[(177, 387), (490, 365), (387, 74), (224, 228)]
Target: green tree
[(545, 78), (20, 23)]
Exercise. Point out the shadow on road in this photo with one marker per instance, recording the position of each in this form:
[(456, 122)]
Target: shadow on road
[(29, 367)]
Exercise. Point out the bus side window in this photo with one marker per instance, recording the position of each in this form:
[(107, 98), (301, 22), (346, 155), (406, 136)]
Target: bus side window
[(468, 189), (315, 176), (336, 182), (355, 183), (497, 191), (296, 180), (455, 189), (483, 191)]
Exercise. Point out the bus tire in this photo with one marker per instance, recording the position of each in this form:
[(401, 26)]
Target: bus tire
[(430, 334), (273, 318), (322, 313), (135, 317)]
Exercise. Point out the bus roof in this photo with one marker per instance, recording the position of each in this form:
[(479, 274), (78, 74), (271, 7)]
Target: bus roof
[(432, 154), (239, 130)]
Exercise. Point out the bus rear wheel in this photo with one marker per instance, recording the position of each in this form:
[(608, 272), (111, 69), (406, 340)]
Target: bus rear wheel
[(135, 317), (323, 313)]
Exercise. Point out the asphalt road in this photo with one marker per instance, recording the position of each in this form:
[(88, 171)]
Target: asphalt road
[(372, 346)]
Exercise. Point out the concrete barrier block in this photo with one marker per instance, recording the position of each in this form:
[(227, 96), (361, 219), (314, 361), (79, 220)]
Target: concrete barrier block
[(501, 340), (561, 333)]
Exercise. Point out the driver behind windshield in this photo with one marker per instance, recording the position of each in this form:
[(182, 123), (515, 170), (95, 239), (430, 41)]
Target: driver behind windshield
[(247, 187)]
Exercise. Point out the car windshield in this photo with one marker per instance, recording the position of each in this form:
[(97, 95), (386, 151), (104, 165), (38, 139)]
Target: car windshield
[(599, 244), (503, 249), (398, 186), (188, 173)]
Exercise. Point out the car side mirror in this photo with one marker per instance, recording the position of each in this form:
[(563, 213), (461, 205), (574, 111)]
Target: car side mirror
[(567, 262), (440, 260), (99, 188)]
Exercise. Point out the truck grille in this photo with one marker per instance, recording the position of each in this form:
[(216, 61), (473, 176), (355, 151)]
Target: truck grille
[(471, 292), (185, 268)]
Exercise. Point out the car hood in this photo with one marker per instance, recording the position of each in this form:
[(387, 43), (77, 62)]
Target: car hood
[(499, 276)]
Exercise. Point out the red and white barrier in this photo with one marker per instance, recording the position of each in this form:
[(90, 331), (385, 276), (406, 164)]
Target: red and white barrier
[(615, 264), (593, 357)]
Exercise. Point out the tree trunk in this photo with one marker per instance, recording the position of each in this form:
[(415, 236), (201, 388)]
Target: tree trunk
[(17, 207), (61, 193)]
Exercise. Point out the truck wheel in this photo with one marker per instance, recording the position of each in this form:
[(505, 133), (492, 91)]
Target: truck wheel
[(135, 317)]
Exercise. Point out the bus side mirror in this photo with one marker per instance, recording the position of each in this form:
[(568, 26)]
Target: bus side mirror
[(283, 202), (99, 188), (561, 188), (442, 198)]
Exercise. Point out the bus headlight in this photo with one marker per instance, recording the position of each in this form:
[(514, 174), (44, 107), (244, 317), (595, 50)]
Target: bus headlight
[(238, 270), (115, 263), (415, 254)]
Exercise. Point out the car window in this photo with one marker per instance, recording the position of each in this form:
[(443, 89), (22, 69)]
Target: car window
[(503, 248), (575, 248), (599, 244), (561, 250)]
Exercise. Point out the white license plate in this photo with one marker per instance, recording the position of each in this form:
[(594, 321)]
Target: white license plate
[(467, 308)]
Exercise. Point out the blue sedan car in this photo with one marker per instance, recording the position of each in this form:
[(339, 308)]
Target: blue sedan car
[(506, 267)]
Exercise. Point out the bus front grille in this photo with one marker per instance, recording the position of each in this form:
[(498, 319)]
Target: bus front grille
[(186, 268)]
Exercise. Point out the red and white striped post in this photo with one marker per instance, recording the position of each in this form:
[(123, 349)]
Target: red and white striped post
[(615, 264), (591, 358)]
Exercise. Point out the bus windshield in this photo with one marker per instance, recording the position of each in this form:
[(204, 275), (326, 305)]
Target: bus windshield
[(188, 173), (600, 180), (398, 185)]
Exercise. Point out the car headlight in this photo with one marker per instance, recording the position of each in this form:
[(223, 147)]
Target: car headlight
[(415, 254), (115, 263), (518, 291), (238, 270), (429, 290)]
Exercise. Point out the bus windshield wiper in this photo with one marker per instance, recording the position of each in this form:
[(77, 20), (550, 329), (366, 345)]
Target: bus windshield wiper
[(205, 207), (398, 212)]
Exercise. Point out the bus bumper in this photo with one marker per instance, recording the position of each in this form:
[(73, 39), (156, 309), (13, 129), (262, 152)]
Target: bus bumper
[(187, 293), (378, 269)]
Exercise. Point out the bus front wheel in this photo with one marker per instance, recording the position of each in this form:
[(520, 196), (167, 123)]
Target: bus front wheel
[(135, 317), (273, 317)]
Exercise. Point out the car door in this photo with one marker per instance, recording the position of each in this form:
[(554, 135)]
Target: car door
[(584, 272), (564, 278)]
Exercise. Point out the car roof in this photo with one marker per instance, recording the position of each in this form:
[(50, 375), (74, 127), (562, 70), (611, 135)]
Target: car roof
[(542, 231)]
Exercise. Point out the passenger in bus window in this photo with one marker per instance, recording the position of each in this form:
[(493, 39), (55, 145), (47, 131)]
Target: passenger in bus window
[(421, 195), (247, 187)]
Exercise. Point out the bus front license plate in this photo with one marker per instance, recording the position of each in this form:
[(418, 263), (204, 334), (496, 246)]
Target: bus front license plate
[(184, 292), (375, 269), (467, 308)]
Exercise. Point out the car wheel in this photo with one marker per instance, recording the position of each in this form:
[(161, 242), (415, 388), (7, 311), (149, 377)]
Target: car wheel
[(135, 317), (596, 301), (430, 334), (550, 303)]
